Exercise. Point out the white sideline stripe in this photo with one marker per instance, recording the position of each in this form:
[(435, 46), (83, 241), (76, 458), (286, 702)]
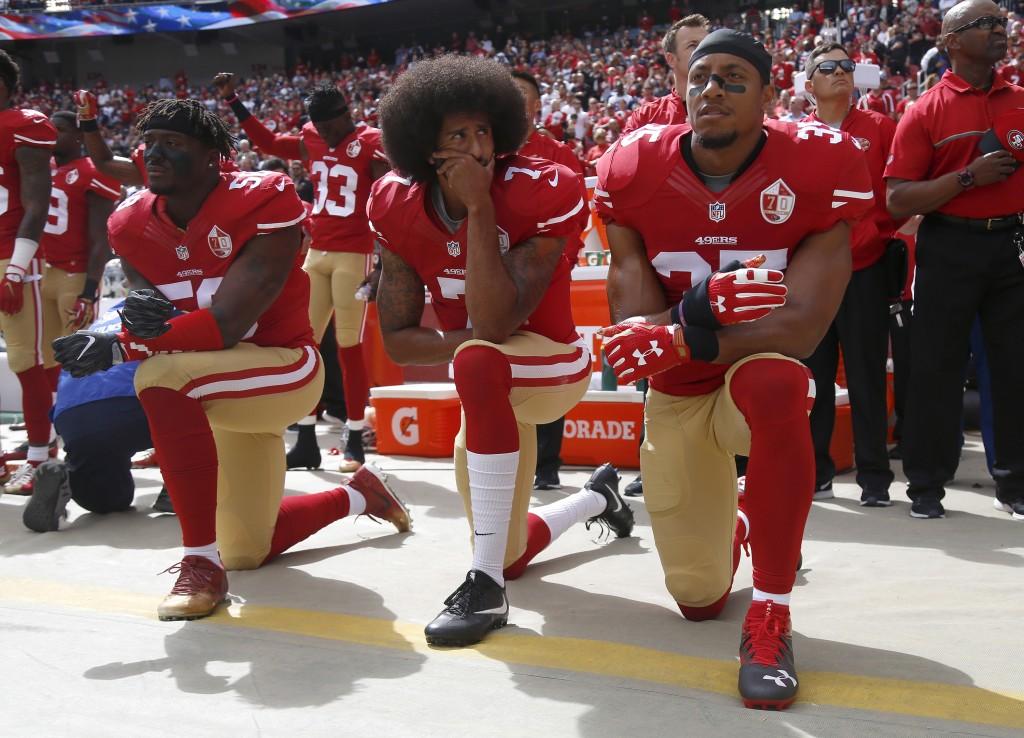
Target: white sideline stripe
[(38, 295), (251, 383), (111, 190), (26, 139), (560, 218), (275, 226), (548, 371), (853, 194)]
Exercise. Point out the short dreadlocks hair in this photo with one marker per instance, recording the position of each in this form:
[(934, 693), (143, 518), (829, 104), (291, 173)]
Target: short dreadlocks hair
[(203, 125), (413, 110), (324, 100), (9, 72), (65, 115)]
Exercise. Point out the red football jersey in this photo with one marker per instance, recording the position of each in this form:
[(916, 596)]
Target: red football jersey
[(65, 241), (17, 128), (769, 209), (532, 197), (544, 147), (667, 110), (187, 266), (342, 177), (139, 160)]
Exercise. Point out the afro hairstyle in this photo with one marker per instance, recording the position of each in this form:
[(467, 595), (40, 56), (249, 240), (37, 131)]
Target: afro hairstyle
[(9, 73), (413, 110)]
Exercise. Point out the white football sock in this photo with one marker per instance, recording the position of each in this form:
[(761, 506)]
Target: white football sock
[(492, 484), (37, 454), (576, 508), (778, 599), (356, 501), (208, 551), (355, 425), (308, 420)]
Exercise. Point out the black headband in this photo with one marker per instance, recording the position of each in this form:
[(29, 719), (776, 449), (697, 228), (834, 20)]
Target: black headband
[(743, 45), (179, 122), (326, 111)]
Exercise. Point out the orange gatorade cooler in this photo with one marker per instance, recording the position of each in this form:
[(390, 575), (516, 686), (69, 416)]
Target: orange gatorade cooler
[(605, 426), (416, 419), (589, 301)]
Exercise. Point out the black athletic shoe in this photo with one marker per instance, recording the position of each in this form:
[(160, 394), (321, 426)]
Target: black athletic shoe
[(50, 496), (635, 488), (767, 670), (617, 514), (823, 491), (163, 503), (875, 498), (355, 455), (305, 454), (547, 480), (476, 608), (1016, 508), (926, 508)]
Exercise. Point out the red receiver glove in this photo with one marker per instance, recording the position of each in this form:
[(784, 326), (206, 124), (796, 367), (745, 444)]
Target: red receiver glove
[(637, 350), (12, 293), (740, 293), (85, 102)]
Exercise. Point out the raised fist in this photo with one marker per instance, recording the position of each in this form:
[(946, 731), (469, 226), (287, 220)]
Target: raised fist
[(85, 103), (145, 314), (225, 84)]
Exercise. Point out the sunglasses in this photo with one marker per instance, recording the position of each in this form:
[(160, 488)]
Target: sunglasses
[(985, 23), (830, 66)]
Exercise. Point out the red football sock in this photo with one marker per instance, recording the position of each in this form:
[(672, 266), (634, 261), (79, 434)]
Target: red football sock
[(36, 401), (354, 381), (483, 378), (775, 397), (188, 460), (537, 539), (303, 515), (53, 376)]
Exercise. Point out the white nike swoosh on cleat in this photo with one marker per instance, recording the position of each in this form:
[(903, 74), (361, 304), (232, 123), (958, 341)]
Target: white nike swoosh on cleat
[(493, 611), (618, 503)]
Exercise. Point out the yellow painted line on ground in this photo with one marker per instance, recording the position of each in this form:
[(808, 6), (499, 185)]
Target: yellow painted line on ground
[(618, 660)]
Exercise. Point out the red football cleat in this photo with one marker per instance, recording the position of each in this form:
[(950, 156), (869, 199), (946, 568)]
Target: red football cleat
[(767, 679), (381, 500), (201, 586)]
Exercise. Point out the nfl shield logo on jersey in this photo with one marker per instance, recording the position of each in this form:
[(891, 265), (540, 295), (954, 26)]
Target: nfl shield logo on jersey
[(777, 202), (716, 212), (454, 248), (182, 252), (354, 148), (220, 243), (72, 177)]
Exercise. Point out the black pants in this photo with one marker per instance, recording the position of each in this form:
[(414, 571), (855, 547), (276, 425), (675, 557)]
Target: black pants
[(861, 327), (333, 396), (960, 274), (899, 337), (549, 446), (100, 439)]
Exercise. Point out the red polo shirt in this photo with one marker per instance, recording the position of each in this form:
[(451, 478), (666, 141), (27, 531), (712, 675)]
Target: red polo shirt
[(940, 134), (873, 133)]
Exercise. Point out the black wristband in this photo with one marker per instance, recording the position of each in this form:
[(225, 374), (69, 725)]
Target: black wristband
[(701, 342), (88, 126), (241, 112), (673, 314), (695, 307), (91, 290)]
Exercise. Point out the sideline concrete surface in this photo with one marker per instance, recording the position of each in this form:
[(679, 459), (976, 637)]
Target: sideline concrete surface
[(902, 628)]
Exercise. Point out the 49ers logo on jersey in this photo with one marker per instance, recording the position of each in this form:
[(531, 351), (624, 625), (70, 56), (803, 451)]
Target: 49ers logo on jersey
[(353, 149), (220, 243), (71, 177), (777, 202), (1015, 139)]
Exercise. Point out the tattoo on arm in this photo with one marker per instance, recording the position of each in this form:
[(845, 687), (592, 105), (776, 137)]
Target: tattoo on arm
[(400, 297), (531, 265)]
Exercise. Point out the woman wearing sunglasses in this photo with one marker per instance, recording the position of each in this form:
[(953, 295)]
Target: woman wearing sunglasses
[(970, 256)]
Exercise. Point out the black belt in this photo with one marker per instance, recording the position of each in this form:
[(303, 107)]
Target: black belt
[(998, 223)]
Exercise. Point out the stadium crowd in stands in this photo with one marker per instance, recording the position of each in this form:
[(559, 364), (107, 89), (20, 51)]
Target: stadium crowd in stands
[(590, 81)]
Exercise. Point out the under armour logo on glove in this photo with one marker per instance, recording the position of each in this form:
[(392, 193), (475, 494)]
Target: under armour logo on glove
[(637, 350), (781, 679), (740, 293)]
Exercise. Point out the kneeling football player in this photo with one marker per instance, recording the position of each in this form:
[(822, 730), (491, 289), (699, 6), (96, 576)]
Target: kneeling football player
[(221, 381), (721, 340), (485, 231)]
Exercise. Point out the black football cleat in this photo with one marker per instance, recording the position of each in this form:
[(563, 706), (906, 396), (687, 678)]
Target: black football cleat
[(472, 611), (635, 488), (767, 670), (354, 455), (617, 515), (50, 496), (305, 454), (163, 503)]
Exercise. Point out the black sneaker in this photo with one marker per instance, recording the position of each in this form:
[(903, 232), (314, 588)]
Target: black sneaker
[(767, 669), (476, 608), (305, 454), (50, 496), (1016, 509), (547, 480), (824, 491), (163, 503), (927, 507), (875, 498), (355, 455), (635, 488), (617, 514)]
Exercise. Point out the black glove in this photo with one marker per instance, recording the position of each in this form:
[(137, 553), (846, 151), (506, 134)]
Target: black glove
[(145, 314), (88, 352)]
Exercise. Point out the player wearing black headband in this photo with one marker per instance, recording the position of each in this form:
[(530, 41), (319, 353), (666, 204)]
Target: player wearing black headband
[(227, 361), (344, 160), (721, 340)]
